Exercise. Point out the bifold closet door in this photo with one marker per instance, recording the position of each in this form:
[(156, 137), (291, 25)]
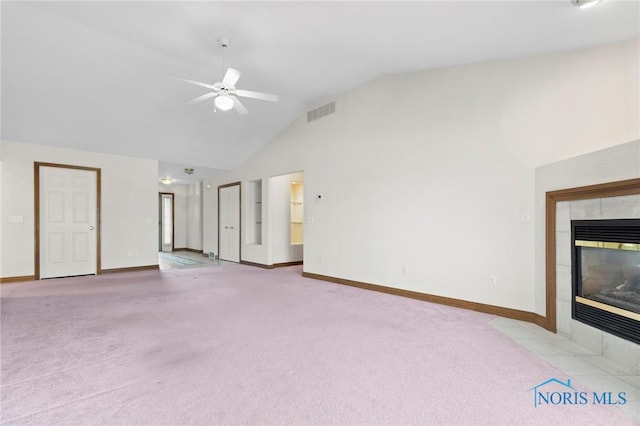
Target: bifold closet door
[(229, 223)]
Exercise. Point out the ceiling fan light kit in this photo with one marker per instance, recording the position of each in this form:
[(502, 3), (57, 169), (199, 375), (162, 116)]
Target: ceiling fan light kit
[(224, 92), (223, 102)]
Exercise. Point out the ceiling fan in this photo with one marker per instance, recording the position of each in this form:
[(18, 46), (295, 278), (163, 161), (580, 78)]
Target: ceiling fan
[(225, 92)]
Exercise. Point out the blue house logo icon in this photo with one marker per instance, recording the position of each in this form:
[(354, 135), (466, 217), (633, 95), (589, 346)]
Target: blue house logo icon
[(540, 397)]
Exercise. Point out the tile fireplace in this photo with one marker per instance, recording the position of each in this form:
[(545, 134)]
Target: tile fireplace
[(606, 275)]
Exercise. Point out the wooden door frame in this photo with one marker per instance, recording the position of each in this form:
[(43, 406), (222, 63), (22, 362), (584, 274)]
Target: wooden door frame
[(604, 190), (36, 191), (238, 184), (173, 218)]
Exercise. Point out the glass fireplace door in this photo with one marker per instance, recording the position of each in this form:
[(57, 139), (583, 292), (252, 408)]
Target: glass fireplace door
[(605, 269), (610, 274)]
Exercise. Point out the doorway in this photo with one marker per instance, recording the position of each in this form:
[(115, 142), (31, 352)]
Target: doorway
[(286, 218), (166, 228), (67, 220), (229, 232)]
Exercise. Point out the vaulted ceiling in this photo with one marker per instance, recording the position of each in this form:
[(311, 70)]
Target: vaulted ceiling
[(98, 76)]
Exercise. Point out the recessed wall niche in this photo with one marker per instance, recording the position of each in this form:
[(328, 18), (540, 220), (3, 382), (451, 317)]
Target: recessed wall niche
[(297, 212), (254, 212)]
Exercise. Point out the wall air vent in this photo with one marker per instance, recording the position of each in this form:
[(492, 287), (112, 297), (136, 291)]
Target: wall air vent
[(321, 111)]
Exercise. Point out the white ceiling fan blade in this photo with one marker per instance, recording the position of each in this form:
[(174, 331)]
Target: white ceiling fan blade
[(257, 95), (202, 98), (231, 77), (237, 105), (197, 83)]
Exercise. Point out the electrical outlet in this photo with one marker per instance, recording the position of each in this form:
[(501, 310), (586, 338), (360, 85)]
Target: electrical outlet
[(404, 269), (493, 281)]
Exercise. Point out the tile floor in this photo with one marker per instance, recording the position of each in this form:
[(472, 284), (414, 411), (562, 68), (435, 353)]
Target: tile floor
[(164, 260), (581, 365)]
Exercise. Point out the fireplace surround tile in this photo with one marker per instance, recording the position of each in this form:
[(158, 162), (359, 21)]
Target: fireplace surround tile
[(586, 209), (632, 380), (621, 207), (573, 348), (563, 248), (623, 352), (608, 366), (563, 317), (587, 336), (572, 365), (563, 283), (541, 346), (563, 216)]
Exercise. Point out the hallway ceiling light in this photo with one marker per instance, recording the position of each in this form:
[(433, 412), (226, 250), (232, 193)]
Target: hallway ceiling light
[(166, 180), (585, 4)]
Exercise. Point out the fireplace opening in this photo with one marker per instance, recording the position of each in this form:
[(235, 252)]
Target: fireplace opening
[(606, 275)]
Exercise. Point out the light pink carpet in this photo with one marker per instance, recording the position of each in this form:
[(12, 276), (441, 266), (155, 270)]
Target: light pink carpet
[(235, 344)]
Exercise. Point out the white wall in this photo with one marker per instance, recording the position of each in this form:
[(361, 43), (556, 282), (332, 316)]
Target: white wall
[(3, 218), (434, 170), (129, 206)]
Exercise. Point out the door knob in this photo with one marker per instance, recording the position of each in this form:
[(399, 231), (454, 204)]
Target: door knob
[(91, 228)]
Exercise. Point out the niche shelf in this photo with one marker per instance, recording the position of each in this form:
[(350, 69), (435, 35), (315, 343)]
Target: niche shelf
[(297, 212), (254, 212)]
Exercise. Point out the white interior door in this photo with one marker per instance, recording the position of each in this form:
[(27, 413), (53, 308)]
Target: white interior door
[(68, 207), (166, 223), (229, 228)]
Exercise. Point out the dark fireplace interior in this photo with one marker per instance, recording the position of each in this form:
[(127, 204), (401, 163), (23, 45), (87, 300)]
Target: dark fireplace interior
[(606, 275)]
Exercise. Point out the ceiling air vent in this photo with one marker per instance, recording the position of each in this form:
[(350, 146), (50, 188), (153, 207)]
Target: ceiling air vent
[(321, 111)]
